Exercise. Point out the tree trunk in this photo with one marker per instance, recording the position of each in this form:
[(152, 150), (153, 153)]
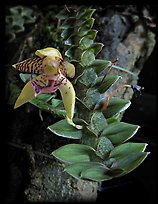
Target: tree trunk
[(34, 175)]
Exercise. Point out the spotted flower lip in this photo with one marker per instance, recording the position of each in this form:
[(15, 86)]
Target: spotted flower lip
[(53, 72), (51, 88)]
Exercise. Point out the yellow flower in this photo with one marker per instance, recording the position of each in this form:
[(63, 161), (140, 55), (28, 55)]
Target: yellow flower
[(53, 72)]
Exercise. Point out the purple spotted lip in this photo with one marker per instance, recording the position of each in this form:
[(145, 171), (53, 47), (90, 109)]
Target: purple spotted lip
[(51, 88)]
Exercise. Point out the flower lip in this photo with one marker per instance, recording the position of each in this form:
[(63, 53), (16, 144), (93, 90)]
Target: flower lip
[(35, 86), (51, 87)]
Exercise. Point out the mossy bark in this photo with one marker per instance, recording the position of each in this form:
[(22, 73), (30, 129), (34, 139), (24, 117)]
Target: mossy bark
[(124, 38)]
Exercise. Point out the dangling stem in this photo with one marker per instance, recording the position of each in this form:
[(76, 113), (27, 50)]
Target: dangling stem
[(109, 68)]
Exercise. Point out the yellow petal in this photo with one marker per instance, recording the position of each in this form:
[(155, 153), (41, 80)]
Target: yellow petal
[(69, 69), (68, 97)]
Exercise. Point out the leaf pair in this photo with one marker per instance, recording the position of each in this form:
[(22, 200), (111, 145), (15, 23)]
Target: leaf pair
[(83, 162)]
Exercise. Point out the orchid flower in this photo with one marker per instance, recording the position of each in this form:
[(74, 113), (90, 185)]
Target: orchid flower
[(53, 72)]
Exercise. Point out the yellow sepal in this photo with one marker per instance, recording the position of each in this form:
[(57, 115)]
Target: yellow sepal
[(25, 96), (48, 52), (28, 93)]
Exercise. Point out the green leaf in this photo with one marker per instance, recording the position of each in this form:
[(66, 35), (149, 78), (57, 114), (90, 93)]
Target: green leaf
[(91, 34), (89, 137), (98, 123), (15, 10), (67, 32), (72, 153), (100, 103), (18, 22), (45, 97), (76, 168), (72, 40), (25, 77), (74, 50), (128, 156), (87, 57), (119, 132), (57, 103), (63, 14), (96, 173), (68, 23), (47, 107), (81, 9), (28, 15), (129, 162), (116, 172), (18, 28), (11, 36), (127, 148), (96, 48), (88, 77), (92, 97), (104, 146), (85, 43), (115, 106), (85, 27), (63, 129), (86, 14), (106, 84), (99, 65), (112, 120)]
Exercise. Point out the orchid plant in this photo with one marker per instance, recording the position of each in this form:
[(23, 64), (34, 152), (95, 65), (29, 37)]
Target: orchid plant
[(103, 152)]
